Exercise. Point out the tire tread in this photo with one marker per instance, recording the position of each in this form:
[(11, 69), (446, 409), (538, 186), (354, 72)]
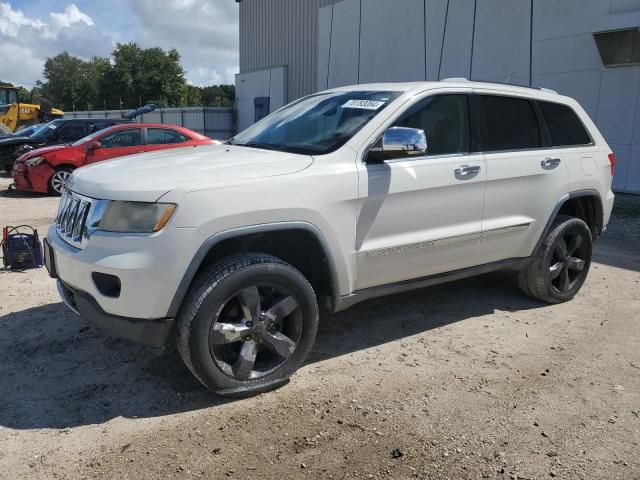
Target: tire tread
[(209, 279), (532, 279)]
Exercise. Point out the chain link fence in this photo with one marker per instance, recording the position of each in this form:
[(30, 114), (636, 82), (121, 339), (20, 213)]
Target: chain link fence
[(214, 122)]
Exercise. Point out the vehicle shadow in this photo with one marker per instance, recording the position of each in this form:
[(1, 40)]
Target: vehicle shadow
[(58, 371), (13, 193)]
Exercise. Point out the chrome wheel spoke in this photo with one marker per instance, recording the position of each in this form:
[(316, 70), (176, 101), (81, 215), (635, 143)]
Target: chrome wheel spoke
[(279, 343), (250, 303), (243, 366), (555, 270), (282, 309), (575, 263), (222, 333), (256, 331)]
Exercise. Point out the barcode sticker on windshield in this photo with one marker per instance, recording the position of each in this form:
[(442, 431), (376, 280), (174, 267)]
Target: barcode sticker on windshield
[(363, 104)]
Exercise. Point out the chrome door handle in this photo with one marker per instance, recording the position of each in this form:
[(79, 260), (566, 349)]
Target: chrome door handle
[(549, 163), (465, 170)]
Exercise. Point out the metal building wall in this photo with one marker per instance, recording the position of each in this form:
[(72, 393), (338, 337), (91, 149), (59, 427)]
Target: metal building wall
[(281, 32), (547, 43)]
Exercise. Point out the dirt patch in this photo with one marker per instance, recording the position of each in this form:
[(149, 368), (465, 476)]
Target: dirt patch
[(465, 380)]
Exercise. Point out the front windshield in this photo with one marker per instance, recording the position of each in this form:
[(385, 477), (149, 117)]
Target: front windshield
[(317, 124), (29, 131), (47, 129), (24, 132)]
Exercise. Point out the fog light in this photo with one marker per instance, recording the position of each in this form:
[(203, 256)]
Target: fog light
[(107, 285)]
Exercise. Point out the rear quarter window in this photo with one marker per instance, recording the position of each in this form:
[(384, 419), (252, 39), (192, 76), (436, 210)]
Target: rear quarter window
[(161, 136), (565, 128)]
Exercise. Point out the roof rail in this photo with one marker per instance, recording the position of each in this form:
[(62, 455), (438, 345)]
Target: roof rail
[(462, 79)]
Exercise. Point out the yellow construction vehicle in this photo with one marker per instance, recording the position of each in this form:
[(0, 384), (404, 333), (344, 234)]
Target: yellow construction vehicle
[(15, 115)]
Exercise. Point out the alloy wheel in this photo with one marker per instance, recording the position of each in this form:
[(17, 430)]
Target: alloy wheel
[(256, 331), (568, 261), (59, 179)]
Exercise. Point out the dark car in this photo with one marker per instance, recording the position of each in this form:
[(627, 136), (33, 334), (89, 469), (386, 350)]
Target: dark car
[(57, 132), (24, 132)]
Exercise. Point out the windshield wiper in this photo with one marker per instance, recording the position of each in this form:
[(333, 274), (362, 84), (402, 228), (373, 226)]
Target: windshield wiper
[(277, 148), (264, 146)]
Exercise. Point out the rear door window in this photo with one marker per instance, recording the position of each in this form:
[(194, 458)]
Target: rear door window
[(565, 128), (509, 124)]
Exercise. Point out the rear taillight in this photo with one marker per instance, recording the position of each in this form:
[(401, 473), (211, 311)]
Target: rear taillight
[(612, 161)]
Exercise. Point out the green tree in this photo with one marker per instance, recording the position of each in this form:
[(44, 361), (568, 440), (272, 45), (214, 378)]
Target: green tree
[(191, 96), (72, 83), (139, 76), (219, 95), (133, 76)]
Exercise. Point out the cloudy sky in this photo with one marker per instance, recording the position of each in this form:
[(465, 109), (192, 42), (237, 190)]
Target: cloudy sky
[(205, 32)]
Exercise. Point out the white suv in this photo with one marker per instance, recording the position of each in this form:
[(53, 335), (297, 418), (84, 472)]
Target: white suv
[(341, 196)]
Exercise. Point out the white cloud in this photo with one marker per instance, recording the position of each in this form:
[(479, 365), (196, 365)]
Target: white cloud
[(26, 42), (22, 64), (11, 21), (210, 76), (204, 32), (71, 15)]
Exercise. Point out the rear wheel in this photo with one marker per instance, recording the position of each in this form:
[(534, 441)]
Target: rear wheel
[(59, 179), (247, 324), (560, 267)]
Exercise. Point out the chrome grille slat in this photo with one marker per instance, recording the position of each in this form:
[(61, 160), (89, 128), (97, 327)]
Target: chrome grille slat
[(71, 219), (62, 209), (73, 216)]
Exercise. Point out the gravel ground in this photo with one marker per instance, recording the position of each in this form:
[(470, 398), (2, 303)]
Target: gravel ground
[(419, 385)]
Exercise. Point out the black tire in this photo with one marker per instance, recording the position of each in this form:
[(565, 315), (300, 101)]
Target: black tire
[(560, 267), (55, 187), (216, 310)]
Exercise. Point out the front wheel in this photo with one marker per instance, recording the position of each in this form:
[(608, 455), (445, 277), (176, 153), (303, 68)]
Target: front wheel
[(247, 324), (59, 179), (560, 267)]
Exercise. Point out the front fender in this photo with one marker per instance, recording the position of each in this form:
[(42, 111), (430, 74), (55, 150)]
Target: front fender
[(215, 239)]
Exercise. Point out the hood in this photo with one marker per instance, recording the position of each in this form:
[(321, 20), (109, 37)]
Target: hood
[(148, 176), (41, 151), (13, 140)]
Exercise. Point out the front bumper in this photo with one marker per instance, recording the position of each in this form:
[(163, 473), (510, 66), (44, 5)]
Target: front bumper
[(149, 268), (154, 333), (33, 179)]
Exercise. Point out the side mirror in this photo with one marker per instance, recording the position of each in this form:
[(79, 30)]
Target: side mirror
[(400, 142), (93, 146)]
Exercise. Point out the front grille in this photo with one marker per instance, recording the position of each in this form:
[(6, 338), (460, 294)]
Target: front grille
[(71, 220)]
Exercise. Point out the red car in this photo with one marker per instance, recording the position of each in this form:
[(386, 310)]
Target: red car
[(46, 169)]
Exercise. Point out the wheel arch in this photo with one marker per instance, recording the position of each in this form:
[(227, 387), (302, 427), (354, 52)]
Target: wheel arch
[(584, 204), (319, 269), (59, 166)]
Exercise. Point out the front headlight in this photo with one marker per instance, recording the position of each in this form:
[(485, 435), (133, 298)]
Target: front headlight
[(135, 217), (32, 162)]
